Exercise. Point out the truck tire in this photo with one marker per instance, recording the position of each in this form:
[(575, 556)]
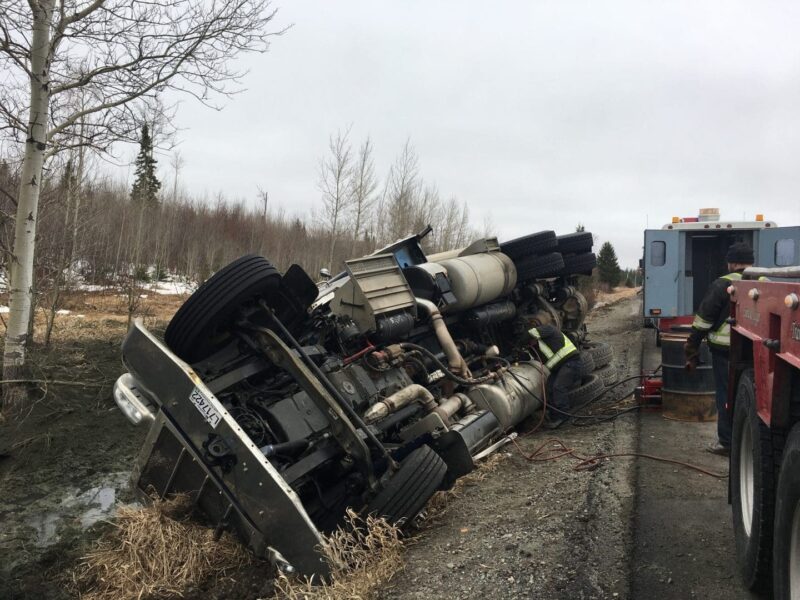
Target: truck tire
[(785, 563), (601, 353), (571, 243), (535, 243), (753, 477), (579, 264), (587, 364), (537, 267), (420, 474), (608, 374), (590, 388), (199, 326)]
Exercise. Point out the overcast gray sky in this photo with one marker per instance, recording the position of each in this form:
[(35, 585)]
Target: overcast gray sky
[(539, 114)]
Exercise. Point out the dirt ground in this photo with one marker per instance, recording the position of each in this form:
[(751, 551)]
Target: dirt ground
[(65, 467), (691, 556), (541, 530), (525, 530)]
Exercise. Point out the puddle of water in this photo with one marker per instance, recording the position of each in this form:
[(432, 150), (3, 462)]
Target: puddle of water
[(84, 507)]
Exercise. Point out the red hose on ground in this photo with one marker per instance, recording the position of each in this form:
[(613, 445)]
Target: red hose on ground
[(588, 463)]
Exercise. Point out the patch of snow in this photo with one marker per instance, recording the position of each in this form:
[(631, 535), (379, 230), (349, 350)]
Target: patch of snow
[(142, 295), (81, 316), (91, 287), (171, 288), (4, 309), (63, 311)]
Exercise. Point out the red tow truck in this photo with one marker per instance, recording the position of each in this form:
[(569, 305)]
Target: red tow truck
[(765, 451)]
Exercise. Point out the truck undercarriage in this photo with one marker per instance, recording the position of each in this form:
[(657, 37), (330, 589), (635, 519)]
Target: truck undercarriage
[(277, 404)]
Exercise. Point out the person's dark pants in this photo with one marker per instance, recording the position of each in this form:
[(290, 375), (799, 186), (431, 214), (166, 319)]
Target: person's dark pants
[(719, 364), (566, 378)]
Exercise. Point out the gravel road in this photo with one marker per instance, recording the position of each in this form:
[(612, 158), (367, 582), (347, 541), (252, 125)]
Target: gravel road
[(540, 530)]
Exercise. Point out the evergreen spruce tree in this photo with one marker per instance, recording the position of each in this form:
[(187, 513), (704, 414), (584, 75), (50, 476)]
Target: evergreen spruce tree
[(608, 266), (146, 185)]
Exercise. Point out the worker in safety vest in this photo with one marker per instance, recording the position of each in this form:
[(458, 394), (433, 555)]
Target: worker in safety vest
[(562, 358), (711, 322)]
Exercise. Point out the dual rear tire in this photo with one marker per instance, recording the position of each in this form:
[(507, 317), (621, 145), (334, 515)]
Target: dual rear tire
[(756, 450), (786, 543)]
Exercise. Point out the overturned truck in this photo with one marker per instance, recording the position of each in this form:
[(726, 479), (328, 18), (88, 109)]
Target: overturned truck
[(276, 403)]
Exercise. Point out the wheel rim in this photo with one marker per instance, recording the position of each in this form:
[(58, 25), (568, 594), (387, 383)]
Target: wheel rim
[(794, 556), (746, 488)]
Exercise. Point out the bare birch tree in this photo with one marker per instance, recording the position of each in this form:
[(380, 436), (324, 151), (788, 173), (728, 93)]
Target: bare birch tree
[(364, 184), (335, 172), (177, 162), (402, 188), (118, 52)]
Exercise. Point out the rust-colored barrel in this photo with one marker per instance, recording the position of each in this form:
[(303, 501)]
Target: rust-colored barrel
[(686, 395)]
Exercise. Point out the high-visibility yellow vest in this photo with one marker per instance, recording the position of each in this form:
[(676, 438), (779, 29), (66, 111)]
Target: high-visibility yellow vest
[(721, 336), (553, 358)]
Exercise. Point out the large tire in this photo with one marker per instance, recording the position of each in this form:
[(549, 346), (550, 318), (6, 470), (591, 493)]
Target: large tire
[(591, 387), (200, 325), (602, 353), (535, 243), (608, 373), (580, 241), (537, 267), (753, 475), (404, 495), (785, 563), (579, 264), (587, 364)]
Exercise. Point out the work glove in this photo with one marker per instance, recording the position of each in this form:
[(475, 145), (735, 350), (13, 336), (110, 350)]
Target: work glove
[(692, 355)]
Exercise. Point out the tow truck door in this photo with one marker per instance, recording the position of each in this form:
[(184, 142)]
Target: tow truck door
[(662, 270), (778, 247)]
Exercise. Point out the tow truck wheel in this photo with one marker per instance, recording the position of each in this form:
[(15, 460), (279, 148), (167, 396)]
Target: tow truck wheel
[(199, 326), (786, 548), (752, 481)]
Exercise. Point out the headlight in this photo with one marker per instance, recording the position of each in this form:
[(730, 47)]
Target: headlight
[(130, 401)]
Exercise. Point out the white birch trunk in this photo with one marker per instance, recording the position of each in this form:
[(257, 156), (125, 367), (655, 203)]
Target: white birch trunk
[(78, 192), (21, 282)]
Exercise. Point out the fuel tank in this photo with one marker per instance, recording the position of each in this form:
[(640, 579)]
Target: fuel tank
[(479, 278)]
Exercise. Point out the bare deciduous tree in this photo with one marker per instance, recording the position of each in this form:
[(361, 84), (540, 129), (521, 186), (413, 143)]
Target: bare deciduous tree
[(177, 162), (364, 185), (116, 53), (335, 172), (402, 187)]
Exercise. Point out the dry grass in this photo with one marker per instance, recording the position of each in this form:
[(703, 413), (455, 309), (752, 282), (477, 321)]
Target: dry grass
[(367, 554), (155, 552)]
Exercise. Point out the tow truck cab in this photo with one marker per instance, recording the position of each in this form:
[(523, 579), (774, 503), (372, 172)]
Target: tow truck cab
[(683, 257)]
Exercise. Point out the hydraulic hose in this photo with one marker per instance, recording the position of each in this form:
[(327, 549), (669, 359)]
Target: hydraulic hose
[(445, 369)]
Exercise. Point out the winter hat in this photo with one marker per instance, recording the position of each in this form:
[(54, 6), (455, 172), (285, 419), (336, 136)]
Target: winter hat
[(740, 253)]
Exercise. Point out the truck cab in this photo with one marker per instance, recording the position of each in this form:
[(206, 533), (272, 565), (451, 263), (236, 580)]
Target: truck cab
[(683, 257)]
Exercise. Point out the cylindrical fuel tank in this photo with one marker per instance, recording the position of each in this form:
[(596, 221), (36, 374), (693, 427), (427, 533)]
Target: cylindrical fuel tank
[(517, 395), (479, 278), (686, 395)]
